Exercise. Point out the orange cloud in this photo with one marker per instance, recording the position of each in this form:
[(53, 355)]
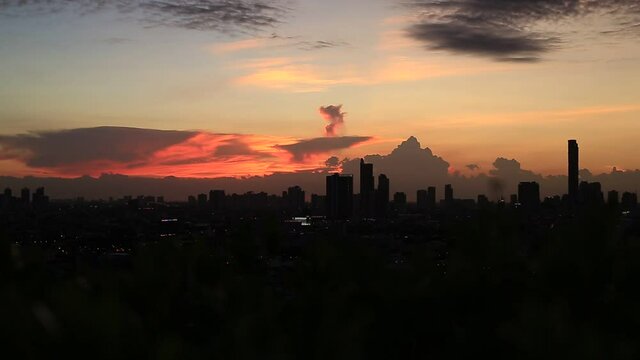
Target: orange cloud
[(146, 152)]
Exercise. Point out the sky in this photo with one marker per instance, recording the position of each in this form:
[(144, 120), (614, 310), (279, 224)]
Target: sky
[(212, 88)]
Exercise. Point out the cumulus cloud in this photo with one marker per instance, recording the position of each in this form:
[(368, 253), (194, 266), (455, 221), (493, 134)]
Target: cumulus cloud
[(217, 15), (303, 149), (510, 30), (409, 166), (334, 115), (473, 167)]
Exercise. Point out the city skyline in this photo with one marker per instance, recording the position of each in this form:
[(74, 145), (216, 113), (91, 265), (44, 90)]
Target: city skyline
[(373, 202), (301, 179), (237, 91)]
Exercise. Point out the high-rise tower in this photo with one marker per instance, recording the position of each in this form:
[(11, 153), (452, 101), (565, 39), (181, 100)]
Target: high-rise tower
[(366, 188), (572, 187), (339, 196)]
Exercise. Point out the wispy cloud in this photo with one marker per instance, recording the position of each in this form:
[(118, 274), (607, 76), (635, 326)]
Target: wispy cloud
[(305, 74), (272, 42), (217, 15)]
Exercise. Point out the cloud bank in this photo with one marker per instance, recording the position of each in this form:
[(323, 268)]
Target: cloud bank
[(509, 30), (150, 152)]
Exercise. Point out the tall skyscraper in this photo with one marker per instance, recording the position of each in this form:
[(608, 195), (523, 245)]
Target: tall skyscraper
[(339, 196), (422, 197), (448, 194), (366, 189), (574, 170), (613, 198), (431, 197), (382, 196), (529, 194)]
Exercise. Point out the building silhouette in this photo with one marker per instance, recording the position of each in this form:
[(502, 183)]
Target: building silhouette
[(422, 200), (431, 197), (529, 194), (202, 200), (400, 201), (339, 196), (448, 194), (573, 171), (613, 198), (40, 200), (590, 193), (294, 198), (366, 189), (217, 199), (382, 197), (629, 201), (25, 196), (483, 201)]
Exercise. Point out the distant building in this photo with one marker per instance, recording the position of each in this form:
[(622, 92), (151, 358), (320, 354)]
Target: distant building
[(483, 201), (366, 189), (217, 199), (431, 197), (573, 171), (318, 204), (294, 197), (339, 196), (448, 194), (422, 200), (25, 196), (202, 200), (382, 196), (40, 200), (613, 198), (629, 201), (513, 199), (529, 194), (400, 201), (590, 193)]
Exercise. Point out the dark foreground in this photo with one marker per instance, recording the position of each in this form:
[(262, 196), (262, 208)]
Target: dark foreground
[(496, 283)]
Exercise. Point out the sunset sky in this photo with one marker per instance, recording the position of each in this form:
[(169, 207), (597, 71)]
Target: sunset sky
[(248, 87)]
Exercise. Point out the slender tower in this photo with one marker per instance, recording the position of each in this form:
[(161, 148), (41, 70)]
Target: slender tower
[(366, 189), (573, 170)]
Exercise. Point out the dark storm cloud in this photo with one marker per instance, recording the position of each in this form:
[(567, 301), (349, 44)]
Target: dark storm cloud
[(66, 147), (218, 15), (502, 29), (304, 148), (473, 167)]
